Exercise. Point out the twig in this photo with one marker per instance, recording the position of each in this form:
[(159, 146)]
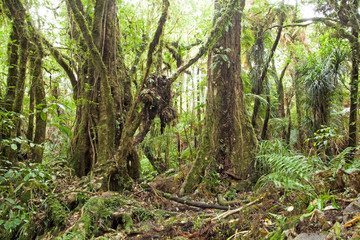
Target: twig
[(230, 212)]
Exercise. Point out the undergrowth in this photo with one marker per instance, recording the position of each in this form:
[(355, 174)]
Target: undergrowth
[(287, 169)]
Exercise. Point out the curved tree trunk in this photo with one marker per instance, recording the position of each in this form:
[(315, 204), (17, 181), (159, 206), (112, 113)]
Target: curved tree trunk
[(228, 139)]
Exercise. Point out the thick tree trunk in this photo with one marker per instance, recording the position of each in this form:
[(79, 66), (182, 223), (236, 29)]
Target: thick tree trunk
[(228, 139), (94, 141), (117, 174)]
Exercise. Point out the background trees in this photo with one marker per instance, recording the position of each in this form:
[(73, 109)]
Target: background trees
[(119, 92)]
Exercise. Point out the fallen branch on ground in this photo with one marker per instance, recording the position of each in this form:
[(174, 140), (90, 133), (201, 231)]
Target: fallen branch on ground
[(191, 203), (230, 212)]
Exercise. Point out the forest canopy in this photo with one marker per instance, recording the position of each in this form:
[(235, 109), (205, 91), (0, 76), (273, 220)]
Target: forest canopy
[(141, 119)]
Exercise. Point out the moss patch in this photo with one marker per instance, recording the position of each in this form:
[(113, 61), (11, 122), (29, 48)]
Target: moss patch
[(56, 212), (99, 214)]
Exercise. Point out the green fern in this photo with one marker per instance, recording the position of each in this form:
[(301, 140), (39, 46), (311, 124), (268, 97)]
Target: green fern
[(284, 168)]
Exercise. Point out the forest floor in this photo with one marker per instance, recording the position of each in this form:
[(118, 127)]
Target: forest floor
[(152, 211)]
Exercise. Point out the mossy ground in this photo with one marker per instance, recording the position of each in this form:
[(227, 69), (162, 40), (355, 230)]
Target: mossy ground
[(80, 212)]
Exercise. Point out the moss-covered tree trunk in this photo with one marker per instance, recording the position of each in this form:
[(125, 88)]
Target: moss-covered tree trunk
[(40, 101), (20, 86), (94, 141), (228, 139), (31, 118), (12, 76), (354, 88)]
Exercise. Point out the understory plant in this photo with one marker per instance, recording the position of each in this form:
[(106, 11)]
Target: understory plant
[(292, 171), (285, 168), (22, 186)]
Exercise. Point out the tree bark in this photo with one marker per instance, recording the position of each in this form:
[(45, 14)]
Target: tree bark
[(117, 175), (13, 69), (228, 139), (40, 100), (266, 119), (20, 87)]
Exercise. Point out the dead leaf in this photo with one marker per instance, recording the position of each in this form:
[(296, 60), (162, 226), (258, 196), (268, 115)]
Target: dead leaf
[(352, 222)]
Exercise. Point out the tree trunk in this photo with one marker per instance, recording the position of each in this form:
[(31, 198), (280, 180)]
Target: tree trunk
[(30, 129), (20, 87), (281, 96), (94, 141), (354, 88), (280, 90), (266, 119), (264, 71), (13, 70), (228, 139), (12, 80), (40, 100)]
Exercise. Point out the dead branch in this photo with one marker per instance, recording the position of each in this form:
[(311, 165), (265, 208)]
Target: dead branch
[(191, 203), (230, 212)]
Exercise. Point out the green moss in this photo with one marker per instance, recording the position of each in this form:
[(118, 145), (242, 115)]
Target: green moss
[(56, 212), (127, 220), (143, 215), (97, 215)]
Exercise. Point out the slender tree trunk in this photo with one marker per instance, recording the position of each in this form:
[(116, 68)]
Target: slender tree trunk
[(281, 98), (266, 119), (280, 90), (288, 113), (354, 88), (299, 112), (228, 140), (40, 100), (13, 69), (264, 71), (30, 130), (20, 87)]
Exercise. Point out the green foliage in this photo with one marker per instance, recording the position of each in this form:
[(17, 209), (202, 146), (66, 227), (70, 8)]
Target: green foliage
[(6, 121), (21, 185), (326, 138), (142, 215), (147, 170), (284, 168)]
